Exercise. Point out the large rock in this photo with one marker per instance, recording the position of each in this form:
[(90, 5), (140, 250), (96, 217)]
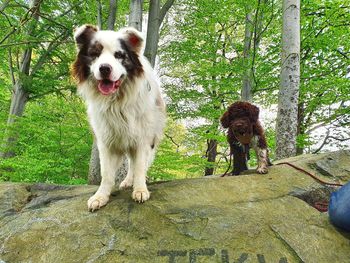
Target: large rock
[(335, 164), (249, 218)]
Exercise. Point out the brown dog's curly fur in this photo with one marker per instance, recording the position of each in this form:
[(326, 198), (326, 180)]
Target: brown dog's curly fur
[(242, 120)]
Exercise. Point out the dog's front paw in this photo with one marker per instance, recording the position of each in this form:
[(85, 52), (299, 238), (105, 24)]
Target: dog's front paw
[(141, 195), (262, 170), (125, 184), (97, 201)]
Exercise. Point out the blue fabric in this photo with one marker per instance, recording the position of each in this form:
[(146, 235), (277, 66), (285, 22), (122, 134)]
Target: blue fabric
[(339, 207)]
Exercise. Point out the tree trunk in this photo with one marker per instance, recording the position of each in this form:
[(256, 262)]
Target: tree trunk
[(112, 14), (99, 15), (211, 156), (156, 16), (94, 176), (167, 5), (18, 102), (259, 17), (246, 94), (252, 37), (135, 18), (19, 96), (287, 115), (152, 31), (300, 128)]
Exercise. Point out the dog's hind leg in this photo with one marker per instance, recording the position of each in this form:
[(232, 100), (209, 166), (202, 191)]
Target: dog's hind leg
[(110, 162), (139, 165), (129, 179)]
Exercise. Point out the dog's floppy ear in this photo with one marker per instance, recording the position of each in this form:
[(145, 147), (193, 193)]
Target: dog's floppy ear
[(133, 38), (225, 120), (236, 110), (253, 113), (83, 35)]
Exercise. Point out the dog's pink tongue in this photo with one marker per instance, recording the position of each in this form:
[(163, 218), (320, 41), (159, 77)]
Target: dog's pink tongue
[(107, 87)]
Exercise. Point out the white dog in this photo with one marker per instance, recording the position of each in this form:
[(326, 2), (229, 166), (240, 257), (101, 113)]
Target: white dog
[(125, 107)]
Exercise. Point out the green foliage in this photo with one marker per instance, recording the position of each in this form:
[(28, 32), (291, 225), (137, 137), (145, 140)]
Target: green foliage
[(54, 143), (324, 91), (175, 156)]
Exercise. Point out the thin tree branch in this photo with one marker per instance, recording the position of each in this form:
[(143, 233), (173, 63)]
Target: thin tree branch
[(32, 42), (11, 68), (330, 120), (342, 53), (4, 5), (50, 91), (8, 35), (164, 10), (173, 141), (53, 45), (324, 74), (71, 8), (60, 15), (17, 60), (33, 11), (7, 18), (270, 20), (256, 41), (323, 143), (52, 21), (338, 139)]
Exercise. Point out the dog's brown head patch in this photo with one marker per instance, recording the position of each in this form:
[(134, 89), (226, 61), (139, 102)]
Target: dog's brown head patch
[(81, 65)]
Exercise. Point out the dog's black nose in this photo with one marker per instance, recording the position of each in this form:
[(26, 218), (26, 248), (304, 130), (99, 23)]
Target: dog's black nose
[(105, 70)]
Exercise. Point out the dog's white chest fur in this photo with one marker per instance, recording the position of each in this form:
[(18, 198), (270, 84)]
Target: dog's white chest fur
[(121, 125)]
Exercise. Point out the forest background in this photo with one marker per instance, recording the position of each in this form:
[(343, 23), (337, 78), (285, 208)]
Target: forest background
[(209, 54)]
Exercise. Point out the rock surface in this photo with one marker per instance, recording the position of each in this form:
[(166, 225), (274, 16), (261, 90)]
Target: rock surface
[(248, 218), (336, 163)]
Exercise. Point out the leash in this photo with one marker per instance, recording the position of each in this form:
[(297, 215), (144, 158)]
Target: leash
[(320, 206), (309, 174), (229, 166)]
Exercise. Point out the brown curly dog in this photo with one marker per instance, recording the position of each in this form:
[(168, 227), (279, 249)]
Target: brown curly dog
[(245, 132)]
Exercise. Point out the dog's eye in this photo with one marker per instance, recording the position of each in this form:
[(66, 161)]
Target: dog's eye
[(94, 54), (95, 50), (119, 55)]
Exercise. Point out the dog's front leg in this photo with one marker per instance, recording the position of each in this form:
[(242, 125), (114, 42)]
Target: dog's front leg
[(261, 154), (139, 165), (260, 147), (239, 159), (110, 162)]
